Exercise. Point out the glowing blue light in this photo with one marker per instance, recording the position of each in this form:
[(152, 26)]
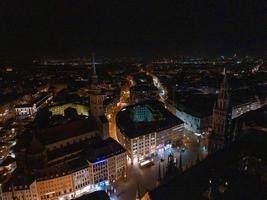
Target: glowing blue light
[(100, 161), (102, 183)]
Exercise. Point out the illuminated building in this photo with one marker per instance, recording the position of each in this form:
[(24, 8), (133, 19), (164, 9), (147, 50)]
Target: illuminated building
[(30, 189), (74, 162), (30, 109), (141, 113), (107, 160), (195, 110), (81, 178), (8, 162), (248, 103), (20, 192), (150, 136), (54, 187), (59, 109)]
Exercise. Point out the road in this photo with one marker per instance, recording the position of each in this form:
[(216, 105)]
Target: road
[(114, 108)]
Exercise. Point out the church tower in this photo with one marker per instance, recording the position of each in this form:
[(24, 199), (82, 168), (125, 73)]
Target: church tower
[(94, 78), (97, 104), (221, 119)]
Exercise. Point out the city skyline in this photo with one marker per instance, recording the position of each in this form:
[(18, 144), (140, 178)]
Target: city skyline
[(133, 100)]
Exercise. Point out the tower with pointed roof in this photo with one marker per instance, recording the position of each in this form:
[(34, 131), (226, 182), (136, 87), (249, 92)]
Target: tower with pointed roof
[(94, 78), (221, 119)]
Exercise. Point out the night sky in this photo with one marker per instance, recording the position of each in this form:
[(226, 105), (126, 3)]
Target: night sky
[(120, 28)]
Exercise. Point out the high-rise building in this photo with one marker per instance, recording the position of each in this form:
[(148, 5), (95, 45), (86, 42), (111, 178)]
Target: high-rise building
[(221, 119)]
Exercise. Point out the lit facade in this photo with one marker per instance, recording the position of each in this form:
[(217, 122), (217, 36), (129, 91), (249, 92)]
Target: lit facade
[(54, 187), (248, 106), (150, 144), (87, 174), (28, 110), (27, 192), (59, 109), (147, 128), (50, 189), (81, 178), (194, 123), (110, 169)]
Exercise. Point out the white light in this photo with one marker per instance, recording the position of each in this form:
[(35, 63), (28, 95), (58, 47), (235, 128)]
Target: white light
[(144, 162), (197, 134)]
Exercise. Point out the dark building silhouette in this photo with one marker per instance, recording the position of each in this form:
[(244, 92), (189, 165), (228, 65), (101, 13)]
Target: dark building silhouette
[(221, 120), (36, 154)]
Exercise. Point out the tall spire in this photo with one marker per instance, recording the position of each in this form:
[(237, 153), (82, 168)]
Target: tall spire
[(225, 84), (223, 97), (221, 119), (93, 63), (94, 77)]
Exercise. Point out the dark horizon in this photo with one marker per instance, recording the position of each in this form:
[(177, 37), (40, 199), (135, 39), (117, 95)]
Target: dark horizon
[(77, 28)]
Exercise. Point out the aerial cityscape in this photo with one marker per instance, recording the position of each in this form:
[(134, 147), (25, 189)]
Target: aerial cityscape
[(115, 100)]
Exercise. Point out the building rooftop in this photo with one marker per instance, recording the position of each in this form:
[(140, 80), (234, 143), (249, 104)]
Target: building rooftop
[(69, 130), (197, 105), (38, 101), (98, 195), (245, 95), (141, 88), (68, 150), (142, 78), (133, 129), (18, 181), (99, 150)]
